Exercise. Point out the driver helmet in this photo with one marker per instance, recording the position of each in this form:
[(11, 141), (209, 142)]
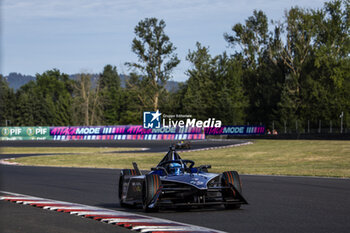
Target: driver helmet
[(175, 168)]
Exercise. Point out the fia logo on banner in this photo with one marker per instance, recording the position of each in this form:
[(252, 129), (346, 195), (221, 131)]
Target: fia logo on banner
[(151, 120)]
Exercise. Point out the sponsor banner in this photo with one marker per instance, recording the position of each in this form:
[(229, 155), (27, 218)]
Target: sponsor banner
[(15, 138), (123, 132), (24, 132), (119, 130), (235, 130), (131, 137)]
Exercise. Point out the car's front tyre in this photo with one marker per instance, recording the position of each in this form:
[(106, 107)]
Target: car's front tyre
[(231, 178), (151, 185)]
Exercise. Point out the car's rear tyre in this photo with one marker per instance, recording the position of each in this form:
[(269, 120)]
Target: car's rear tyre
[(123, 173), (150, 188), (231, 178)]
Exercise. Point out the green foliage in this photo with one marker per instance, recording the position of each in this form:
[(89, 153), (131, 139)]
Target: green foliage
[(56, 89), (300, 70), (260, 70), (46, 101), (7, 98), (87, 101), (214, 88), (156, 57), (251, 37), (135, 100), (110, 95)]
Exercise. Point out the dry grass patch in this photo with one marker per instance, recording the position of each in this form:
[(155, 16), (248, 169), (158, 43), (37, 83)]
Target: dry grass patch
[(270, 157)]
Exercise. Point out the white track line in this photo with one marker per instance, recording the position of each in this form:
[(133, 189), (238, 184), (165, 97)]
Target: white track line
[(219, 147)]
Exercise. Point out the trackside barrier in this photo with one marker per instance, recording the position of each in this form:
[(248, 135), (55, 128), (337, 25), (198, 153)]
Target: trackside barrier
[(25, 133), (122, 132), (15, 138), (125, 132), (131, 137)]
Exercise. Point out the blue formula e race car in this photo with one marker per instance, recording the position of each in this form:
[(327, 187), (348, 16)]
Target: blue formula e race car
[(176, 182)]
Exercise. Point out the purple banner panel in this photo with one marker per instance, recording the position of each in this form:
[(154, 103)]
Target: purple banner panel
[(137, 132), (132, 137), (87, 130), (235, 130), (120, 129)]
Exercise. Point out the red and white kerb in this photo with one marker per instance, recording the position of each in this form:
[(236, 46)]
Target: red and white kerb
[(131, 221)]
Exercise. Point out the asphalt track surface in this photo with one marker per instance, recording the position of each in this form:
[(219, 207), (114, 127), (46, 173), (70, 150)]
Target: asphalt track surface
[(277, 204)]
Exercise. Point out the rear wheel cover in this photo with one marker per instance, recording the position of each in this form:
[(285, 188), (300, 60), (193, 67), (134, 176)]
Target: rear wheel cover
[(124, 172)]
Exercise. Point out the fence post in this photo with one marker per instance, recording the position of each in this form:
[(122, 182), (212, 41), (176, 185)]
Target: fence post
[(319, 126), (308, 126), (273, 125), (296, 126), (341, 122), (285, 127), (7, 123), (330, 126)]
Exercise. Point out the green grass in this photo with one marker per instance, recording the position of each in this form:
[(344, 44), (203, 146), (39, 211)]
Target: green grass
[(270, 157)]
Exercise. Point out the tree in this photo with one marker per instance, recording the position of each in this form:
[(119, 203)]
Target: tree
[(252, 37), (300, 70), (110, 95), (232, 101), (328, 79), (260, 71), (135, 99), (32, 108), (214, 88), (7, 100), (198, 97), (173, 101), (57, 89), (45, 101), (295, 54), (156, 58), (86, 101), (316, 56)]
